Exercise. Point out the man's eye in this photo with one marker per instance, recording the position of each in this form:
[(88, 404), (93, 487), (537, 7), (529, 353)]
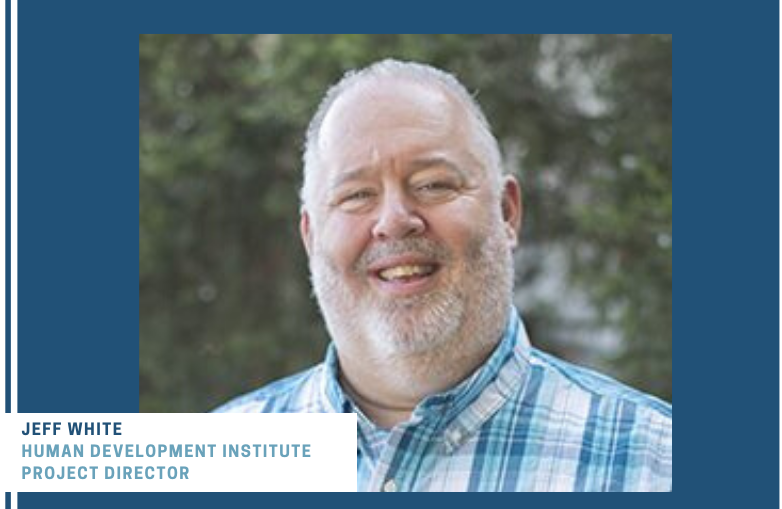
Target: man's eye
[(363, 194), (356, 200), (435, 187)]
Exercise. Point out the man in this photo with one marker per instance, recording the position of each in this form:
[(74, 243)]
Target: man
[(410, 225)]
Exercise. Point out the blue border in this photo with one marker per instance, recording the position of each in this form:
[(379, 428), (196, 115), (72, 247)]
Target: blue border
[(7, 267), (727, 317), (8, 206)]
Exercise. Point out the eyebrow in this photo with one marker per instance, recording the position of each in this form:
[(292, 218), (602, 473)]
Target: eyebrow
[(415, 166), (429, 162), (349, 175)]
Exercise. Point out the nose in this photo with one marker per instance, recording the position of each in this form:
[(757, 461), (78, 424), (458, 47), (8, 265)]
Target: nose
[(397, 219)]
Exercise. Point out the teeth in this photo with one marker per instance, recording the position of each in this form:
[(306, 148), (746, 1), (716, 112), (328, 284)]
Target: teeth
[(403, 271)]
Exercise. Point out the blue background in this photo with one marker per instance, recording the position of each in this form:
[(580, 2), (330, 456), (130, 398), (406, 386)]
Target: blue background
[(78, 211)]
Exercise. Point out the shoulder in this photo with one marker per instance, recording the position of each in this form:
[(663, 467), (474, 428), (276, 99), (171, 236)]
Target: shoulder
[(299, 393), (626, 435)]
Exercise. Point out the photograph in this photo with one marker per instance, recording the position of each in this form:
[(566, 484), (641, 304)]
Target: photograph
[(465, 240)]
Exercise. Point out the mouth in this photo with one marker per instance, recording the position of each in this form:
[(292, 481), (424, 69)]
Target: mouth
[(406, 273), (405, 277)]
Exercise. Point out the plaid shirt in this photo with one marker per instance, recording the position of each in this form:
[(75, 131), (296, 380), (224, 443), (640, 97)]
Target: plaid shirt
[(525, 421)]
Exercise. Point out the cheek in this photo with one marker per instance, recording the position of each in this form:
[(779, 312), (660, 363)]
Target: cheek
[(343, 240), (464, 231)]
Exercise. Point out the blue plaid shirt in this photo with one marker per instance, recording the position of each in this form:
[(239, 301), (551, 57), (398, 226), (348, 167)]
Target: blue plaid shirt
[(525, 421)]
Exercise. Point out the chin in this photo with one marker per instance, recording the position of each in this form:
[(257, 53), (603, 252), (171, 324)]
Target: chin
[(414, 328)]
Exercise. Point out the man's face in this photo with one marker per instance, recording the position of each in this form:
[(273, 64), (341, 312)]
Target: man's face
[(409, 237)]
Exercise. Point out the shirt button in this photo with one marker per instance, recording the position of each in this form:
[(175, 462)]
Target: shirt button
[(455, 436), (389, 486)]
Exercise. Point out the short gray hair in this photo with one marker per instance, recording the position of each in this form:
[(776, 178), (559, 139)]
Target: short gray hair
[(418, 73)]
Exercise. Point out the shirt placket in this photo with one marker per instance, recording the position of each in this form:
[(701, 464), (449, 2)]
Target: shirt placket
[(383, 479), (403, 462)]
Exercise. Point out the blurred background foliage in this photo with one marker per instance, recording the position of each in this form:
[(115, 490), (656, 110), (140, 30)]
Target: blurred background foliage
[(225, 303)]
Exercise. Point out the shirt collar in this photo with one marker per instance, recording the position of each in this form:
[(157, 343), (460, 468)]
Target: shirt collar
[(505, 368), (335, 398)]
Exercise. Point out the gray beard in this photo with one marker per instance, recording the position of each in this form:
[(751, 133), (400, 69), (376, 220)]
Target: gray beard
[(429, 333)]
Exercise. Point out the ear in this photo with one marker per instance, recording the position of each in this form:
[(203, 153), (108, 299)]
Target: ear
[(305, 230), (512, 210)]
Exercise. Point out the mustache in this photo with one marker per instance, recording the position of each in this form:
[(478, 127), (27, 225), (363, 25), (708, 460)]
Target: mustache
[(426, 248)]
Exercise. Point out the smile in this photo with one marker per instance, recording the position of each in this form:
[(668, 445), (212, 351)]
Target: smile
[(405, 276), (406, 272)]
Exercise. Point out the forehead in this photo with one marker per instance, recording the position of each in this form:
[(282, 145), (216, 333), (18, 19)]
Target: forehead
[(384, 119)]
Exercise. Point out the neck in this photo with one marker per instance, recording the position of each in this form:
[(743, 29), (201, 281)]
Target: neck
[(387, 390), (384, 414)]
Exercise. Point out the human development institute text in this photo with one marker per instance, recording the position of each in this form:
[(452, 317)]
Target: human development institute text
[(76, 450)]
